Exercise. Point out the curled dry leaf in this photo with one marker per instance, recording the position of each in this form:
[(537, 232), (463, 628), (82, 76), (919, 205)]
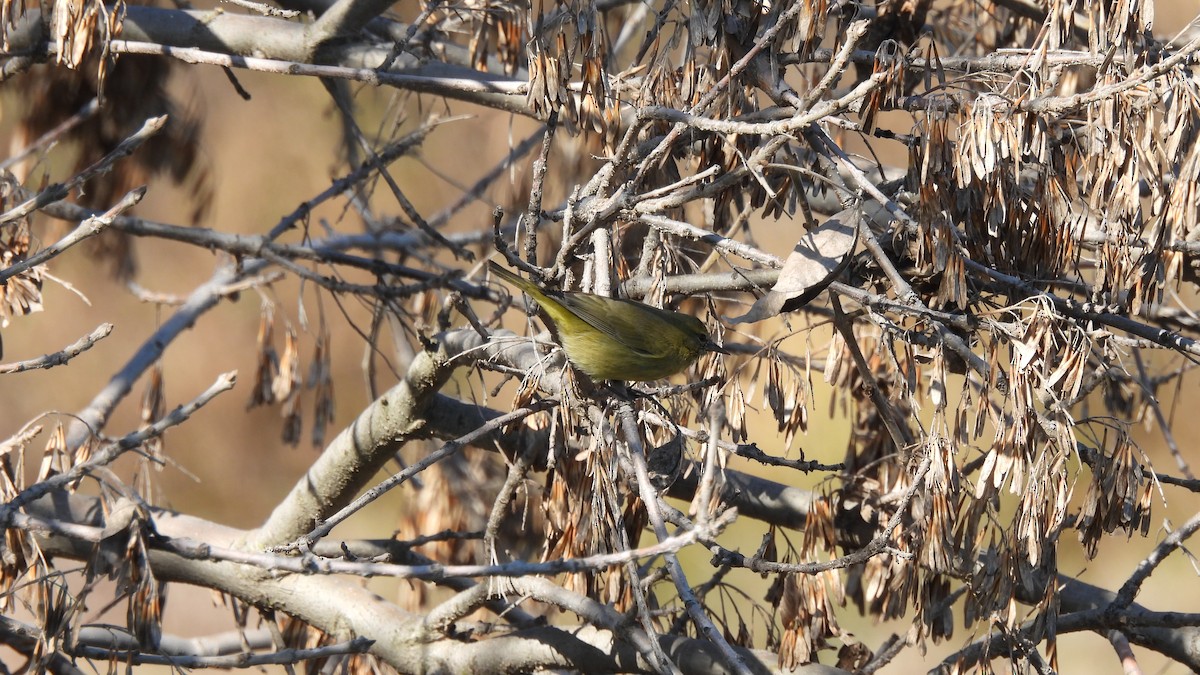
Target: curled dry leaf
[(21, 294), (817, 259), (263, 392)]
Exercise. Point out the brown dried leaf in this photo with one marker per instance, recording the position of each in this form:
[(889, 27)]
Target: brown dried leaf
[(816, 261), (154, 406), (262, 390), (154, 402), (287, 380), (54, 457), (735, 410), (146, 603), (75, 24), (21, 294)]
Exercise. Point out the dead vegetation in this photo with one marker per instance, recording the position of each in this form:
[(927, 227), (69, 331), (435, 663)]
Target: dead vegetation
[(994, 209)]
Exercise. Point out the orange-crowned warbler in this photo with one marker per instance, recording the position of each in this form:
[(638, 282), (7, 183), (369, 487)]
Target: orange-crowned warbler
[(613, 339)]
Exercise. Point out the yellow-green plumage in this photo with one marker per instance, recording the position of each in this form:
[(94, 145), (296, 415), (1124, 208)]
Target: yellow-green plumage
[(613, 339)]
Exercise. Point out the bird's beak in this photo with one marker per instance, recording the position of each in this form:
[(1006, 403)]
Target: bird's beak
[(711, 346)]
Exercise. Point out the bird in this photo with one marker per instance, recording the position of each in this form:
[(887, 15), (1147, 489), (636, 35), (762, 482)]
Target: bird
[(617, 339)]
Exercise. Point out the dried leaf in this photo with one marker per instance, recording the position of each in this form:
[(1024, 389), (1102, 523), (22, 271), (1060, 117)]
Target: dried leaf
[(21, 294), (815, 262)]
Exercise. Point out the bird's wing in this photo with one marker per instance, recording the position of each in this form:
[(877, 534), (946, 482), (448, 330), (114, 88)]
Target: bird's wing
[(639, 330)]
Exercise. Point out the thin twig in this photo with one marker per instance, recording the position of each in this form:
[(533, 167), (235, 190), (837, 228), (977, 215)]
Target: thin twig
[(651, 501), (1083, 312), (1146, 567), (783, 20), (244, 660), (86, 229), (506, 94), (310, 564), (904, 292), (880, 544), (112, 450), (104, 165), (893, 421), (326, 251), (50, 137), (1060, 105), (477, 190), (653, 652), (60, 357), (837, 65), (1151, 397), (532, 218), (718, 242), (448, 449), (752, 452), (390, 153), (224, 281), (518, 471), (377, 162)]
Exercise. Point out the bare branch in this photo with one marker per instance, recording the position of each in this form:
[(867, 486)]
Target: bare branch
[(88, 228), (60, 357), (92, 419), (447, 450), (110, 451), (105, 164)]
